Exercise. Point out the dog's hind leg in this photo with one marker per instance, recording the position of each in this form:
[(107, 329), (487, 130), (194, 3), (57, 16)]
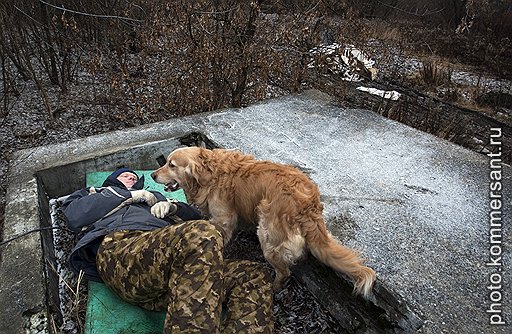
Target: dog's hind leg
[(282, 255), (282, 270)]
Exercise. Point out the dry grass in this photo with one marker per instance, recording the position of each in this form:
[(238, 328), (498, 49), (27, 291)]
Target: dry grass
[(433, 74), (73, 305)]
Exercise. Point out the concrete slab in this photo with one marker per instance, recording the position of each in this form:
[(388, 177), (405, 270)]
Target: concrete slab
[(415, 205)]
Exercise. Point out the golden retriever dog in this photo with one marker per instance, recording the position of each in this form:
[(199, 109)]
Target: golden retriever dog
[(284, 203)]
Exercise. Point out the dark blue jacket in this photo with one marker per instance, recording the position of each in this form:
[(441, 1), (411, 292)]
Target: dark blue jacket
[(87, 213)]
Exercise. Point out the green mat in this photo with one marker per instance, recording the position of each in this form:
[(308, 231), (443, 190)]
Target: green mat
[(96, 179), (106, 312)]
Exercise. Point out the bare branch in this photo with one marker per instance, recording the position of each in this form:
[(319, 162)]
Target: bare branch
[(426, 12), (89, 14)]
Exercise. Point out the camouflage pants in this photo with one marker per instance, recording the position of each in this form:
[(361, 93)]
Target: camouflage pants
[(181, 269)]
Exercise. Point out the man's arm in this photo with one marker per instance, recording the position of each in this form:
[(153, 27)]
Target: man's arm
[(83, 207), (187, 212)]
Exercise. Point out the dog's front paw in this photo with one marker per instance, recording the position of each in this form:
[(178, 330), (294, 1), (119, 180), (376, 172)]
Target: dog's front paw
[(277, 286), (279, 281)]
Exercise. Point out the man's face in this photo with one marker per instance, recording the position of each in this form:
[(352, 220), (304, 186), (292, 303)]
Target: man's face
[(128, 179)]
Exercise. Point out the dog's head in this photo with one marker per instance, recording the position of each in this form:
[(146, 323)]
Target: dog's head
[(186, 167)]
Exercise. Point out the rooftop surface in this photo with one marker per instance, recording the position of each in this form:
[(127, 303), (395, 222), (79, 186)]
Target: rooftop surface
[(416, 206)]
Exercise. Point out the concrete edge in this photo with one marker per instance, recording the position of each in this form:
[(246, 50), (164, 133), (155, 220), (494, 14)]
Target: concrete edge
[(23, 283)]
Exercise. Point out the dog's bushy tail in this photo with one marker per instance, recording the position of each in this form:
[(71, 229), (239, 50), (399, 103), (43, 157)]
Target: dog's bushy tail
[(341, 258)]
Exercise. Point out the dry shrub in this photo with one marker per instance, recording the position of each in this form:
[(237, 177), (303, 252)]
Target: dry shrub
[(389, 33), (157, 59), (216, 54)]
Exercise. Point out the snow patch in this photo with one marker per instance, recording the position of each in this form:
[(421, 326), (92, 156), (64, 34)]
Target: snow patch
[(387, 94)]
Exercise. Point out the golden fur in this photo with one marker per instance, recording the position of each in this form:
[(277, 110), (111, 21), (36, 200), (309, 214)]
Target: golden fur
[(285, 204)]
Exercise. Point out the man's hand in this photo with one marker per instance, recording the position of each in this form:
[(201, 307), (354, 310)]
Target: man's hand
[(143, 196), (163, 208)]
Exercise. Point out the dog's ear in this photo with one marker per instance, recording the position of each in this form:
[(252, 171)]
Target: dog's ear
[(200, 168)]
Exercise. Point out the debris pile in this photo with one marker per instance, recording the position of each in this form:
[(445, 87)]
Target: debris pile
[(347, 61)]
